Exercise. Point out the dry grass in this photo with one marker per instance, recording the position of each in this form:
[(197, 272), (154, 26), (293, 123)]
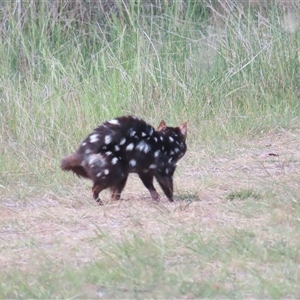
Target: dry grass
[(233, 233), (73, 231)]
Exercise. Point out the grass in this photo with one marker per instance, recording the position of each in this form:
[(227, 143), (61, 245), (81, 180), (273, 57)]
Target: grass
[(233, 231), (243, 194)]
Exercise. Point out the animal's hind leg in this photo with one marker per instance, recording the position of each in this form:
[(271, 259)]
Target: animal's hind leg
[(147, 179), (96, 189), (115, 180), (117, 189)]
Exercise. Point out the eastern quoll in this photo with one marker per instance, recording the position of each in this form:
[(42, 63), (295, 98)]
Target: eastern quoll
[(129, 145)]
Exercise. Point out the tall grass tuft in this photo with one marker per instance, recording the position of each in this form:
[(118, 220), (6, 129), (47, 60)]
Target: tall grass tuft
[(233, 70)]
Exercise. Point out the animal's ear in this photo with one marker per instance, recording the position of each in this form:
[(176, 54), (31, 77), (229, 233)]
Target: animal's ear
[(162, 125), (183, 129)]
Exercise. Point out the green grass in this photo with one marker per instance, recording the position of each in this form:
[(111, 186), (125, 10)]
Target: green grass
[(236, 81), (243, 195), (196, 262), (233, 75)]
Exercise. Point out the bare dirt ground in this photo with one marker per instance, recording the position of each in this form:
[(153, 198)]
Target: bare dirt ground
[(68, 228)]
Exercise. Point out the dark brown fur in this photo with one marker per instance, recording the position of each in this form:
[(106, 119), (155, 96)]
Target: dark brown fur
[(129, 145)]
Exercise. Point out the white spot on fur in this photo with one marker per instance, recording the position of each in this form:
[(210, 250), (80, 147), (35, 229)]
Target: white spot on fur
[(132, 133), (151, 131), (144, 134), (117, 148), (94, 138), (171, 139), (156, 153), (108, 153), (167, 171), (161, 138), (143, 146), (132, 162), (87, 151), (177, 150), (107, 139), (83, 144), (172, 152), (122, 142), (95, 159), (114, 160), (114, 122), (99, 174), (152, 166), (130, 147), (170, 160), (92, 159), (155, 139), (106, 171)]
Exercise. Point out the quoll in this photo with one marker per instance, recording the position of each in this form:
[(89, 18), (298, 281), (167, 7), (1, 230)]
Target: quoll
[(129, 145)]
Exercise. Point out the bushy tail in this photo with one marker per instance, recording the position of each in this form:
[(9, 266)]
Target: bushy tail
[(73, 163)]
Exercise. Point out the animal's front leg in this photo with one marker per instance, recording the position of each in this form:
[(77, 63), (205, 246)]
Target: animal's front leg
[(166, 183), (118, 188), (147, 179)]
